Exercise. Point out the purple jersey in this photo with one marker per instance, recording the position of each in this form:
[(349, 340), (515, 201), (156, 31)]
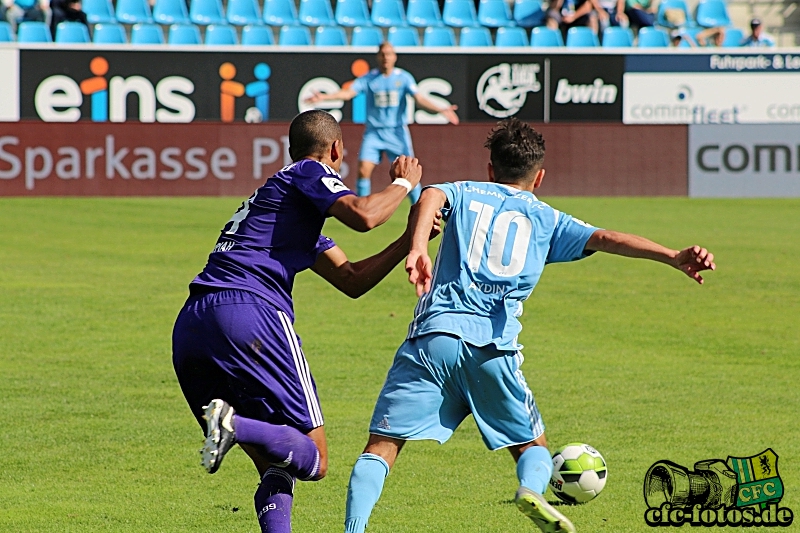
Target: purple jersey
[(275, 234)]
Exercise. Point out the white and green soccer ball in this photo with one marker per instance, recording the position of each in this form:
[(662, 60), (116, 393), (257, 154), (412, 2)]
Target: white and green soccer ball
[(579, 473)]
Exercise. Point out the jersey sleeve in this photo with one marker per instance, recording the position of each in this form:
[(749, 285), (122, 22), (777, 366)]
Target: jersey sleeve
[(323, 244), (320, 184), (359, 85), (453, 193), (569, 239), (411, 84)]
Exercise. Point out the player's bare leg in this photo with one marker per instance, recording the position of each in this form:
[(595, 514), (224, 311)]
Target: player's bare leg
[(534, 468), (364, 184)]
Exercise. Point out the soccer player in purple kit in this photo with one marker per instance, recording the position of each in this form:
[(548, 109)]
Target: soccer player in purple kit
[(238, 360)]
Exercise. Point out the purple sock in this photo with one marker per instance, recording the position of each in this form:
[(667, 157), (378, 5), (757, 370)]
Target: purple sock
[(274, 501), (286, 447)]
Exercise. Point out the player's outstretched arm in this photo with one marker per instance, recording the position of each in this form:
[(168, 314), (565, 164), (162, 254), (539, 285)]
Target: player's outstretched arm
[(448, 112), (341, 94), (367, 212), (418, 263), (691, 261)]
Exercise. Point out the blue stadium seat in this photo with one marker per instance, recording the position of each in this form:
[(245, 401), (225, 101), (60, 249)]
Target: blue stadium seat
[(581, 37), (386, 13), (366, 36), (546, 37), (690, 32), (513, 36), (439, 36), (712, 13), (617, 37), (72, 32), (257, 36), (352, 13), (294, 36), (494, 14), (98, 11), (221, 35), (205, 12), (147, 34), (316, 13), (403, 36), (33, 32), (6, 33), (653, 38), (134, 12), (475, 36), (330, 36), (661, 17), (170, 12), (184, 34), (243, 12), (423, 13), (280, 12), (459, 13), (109, 34), (529, 13), (733, 37)]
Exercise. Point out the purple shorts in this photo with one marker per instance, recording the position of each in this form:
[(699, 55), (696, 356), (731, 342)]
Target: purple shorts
[(232, 344)]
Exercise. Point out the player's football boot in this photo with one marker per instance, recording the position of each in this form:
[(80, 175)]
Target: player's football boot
[(545, 516), (220, 435)]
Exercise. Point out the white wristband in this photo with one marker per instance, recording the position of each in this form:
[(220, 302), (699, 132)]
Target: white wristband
[(403, 183)]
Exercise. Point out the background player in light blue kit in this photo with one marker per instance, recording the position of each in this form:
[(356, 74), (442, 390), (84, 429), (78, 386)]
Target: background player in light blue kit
[(461, 355), (387, 131)]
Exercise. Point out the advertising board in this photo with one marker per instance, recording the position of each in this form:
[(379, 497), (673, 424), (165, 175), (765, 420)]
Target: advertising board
[(9, 85)]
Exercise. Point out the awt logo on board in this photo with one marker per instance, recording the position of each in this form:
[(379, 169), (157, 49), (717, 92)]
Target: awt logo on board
[(59, 98)]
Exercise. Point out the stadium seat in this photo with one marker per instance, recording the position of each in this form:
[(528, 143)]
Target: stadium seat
[(529, 13), (316, 13), (109, 34), (439, 36), (205, 12), (98, 11), (546, 37), (691, 32), (294, 36), (423, 13), (170, 12), (653, 38), (352, 13), (221, 35), (475, 36), (386, 13), (134, 12), (243, 12), (679, 5), (511, 37), (366, 36), (280, 12), (617, 37), (733, 37), (184, 34), (581, 37), (72, 32), (147, 34), (330, 36), (712, 13), (494, 14), (403, 36), (459, 13), (6, 33), (257, 36), (33, 32)]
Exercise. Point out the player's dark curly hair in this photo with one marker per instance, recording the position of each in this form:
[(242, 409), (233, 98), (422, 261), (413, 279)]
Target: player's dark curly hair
[(517, 150), (311, 133)]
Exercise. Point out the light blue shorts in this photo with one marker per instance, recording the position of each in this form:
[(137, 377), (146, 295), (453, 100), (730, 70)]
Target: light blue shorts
[(393, 142), (437, 380)]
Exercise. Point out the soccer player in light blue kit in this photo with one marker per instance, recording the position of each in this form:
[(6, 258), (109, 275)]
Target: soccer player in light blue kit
[(386, 132), (461, 355)]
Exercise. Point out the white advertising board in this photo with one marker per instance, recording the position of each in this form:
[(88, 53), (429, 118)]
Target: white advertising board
[(9, 85)]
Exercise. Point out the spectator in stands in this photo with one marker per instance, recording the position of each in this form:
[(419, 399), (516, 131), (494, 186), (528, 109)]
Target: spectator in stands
[(66, 10), (708, 37), (640, 13), (565, 14), (22, 11), (610, 13), (757, 36)]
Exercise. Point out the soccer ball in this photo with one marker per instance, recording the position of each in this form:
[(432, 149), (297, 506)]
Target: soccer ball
[(579, 473)]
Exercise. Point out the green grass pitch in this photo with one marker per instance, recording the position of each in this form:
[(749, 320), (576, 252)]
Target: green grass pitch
[(631, 357)]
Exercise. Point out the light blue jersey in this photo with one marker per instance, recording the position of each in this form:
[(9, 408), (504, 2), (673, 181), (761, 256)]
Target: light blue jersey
[(494, 248), (386, 96)]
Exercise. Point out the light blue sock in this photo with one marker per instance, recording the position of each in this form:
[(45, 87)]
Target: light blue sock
[(414, 194), (363, 187), (534, 468), (366, 484)]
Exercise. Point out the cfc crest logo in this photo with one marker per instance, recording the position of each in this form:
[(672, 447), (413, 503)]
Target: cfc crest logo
[(503, 89)]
